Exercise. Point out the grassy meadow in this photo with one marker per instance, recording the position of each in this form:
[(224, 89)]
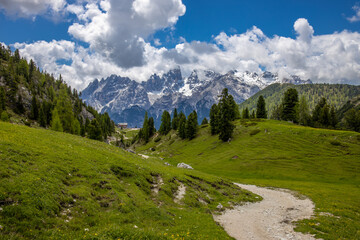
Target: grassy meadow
[(321, 164), (60, 186)]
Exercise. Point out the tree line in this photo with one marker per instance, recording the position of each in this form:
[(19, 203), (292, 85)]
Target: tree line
[(37, 97), (298, 111)]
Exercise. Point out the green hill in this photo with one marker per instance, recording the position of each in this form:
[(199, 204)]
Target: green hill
[(321, 164), (336, 94), (61, 186)]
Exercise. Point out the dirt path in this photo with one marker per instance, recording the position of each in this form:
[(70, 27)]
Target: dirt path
[(269, 219)]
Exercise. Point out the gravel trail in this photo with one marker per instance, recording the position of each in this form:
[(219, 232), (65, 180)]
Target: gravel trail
[(269, 219)]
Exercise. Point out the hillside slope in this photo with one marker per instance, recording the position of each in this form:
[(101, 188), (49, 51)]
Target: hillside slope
[(60, 186), (322, 164), (336, 94)]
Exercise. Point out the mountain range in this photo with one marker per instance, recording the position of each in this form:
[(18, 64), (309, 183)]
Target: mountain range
[(126, 100)]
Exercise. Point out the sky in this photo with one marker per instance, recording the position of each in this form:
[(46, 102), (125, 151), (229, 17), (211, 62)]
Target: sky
[(87, 39)]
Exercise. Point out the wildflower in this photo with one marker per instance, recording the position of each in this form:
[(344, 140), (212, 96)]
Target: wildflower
[(135, 226), (86, 229)]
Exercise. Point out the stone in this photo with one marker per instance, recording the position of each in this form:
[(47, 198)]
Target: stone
[(184, 165)]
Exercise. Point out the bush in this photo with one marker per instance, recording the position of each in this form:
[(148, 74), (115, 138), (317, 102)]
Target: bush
[(157, 139), (254, 132), (4, 116), (335, 143)]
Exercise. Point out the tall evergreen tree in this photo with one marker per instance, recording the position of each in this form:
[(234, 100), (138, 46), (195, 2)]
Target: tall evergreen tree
[(42, 117), (234, 113), (277, 112), (261, 108), (226, 128), (182, 125), (175, 120), (214, 119), (246, 113), (204, 121), (152, 129), (56, 123), (34, 114), (304, 112), (191, 125), (95, 130), (165, 126), (145, 129), (2, 99), (318, 108), (333, 117), (290, 105)]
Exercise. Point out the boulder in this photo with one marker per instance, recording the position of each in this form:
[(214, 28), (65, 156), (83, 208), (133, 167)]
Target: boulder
[(184, 165)]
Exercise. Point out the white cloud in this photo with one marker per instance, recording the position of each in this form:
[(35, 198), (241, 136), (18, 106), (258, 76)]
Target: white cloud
[(356, 17), (117, 28), (29, 8), (120, 49)]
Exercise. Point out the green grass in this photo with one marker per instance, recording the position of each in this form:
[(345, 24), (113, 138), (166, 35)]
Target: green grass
[(60, 186), (321, 164)]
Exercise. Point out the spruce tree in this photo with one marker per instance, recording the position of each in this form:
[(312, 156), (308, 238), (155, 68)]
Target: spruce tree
[(290, 105), (95, 130), (175, 120), (152, 129), (56, 123), (226, 128), (19, 105), (204, 121), (352, 119), (2, 99), (333, 117), (214, 119), (246, 113), (42, 117), (165, 126), (253, 115), (145, 129), (191, 125), (34, 108), (182, 125), (304, 112), (234, 113), (261, 108)]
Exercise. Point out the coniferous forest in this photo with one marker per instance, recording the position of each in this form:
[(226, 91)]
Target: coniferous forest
[(35, 98)]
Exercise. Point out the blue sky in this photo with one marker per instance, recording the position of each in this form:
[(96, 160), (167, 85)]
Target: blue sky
[(69, 36)]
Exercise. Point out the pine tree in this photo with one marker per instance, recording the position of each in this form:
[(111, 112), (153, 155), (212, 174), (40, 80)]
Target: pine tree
[(253, 115), (34, 108), (204, 121), (277, 112), (76, 128), (214, 119), (165, 126), (95, 130), (234, 113), (19, 105), (304, 112), (226, 128), (246, 113), (333, 117), (318, 108), (145, 129), (290, 105), (261, 108), (352, 120), (191, 125), (175, 120), (152, 129), (56, 123), (182, 125), (42, 117), (2, 99)]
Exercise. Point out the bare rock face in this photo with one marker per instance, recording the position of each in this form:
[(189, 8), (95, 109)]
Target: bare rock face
[(126, 100)]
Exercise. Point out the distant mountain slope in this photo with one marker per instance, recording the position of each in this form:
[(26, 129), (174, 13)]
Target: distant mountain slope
[(127, 100), (336, 94)]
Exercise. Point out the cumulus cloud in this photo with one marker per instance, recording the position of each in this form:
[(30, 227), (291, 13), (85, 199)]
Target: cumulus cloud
[(117, 29), (356, 17), (28, 8), (331, 58)]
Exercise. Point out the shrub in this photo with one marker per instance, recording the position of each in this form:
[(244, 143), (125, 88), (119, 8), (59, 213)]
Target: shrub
[(335, 143), (254, 132), (4, 116)]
